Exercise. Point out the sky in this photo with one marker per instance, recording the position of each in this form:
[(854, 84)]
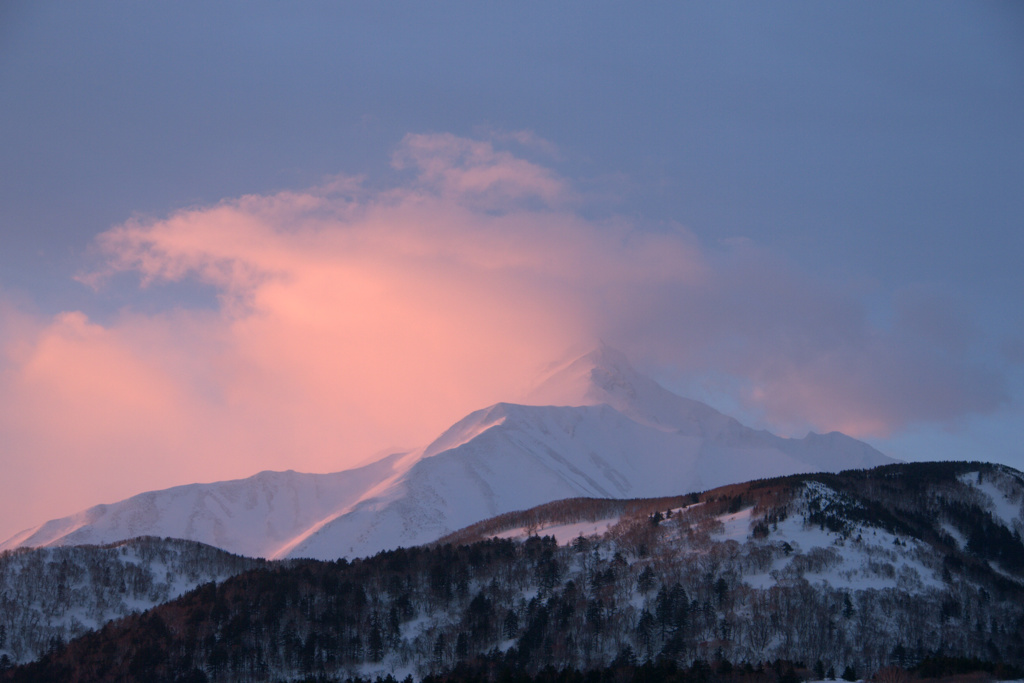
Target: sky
[(248, 236)]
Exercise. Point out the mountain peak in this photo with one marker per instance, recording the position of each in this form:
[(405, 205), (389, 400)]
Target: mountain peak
[(605, 376), (595, 377)]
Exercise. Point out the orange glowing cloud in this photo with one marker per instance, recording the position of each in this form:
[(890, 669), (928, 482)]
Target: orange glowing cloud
[(347, 322), (351, 320)]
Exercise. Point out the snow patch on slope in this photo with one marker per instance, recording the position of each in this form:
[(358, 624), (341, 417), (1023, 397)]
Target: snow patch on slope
[(862, 558), (1003, 501), (565, 533)]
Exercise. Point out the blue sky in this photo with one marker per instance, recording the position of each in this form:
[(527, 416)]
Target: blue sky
[(845, 178)]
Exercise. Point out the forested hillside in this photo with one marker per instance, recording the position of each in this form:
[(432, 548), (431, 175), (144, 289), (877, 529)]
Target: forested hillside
[(845, 573), (51, 595)]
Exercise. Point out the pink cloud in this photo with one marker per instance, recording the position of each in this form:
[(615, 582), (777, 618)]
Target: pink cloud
[(353, 320)]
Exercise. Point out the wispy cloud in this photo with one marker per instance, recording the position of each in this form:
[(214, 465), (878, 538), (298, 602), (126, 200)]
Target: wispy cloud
[(473, 170), (351, 320)]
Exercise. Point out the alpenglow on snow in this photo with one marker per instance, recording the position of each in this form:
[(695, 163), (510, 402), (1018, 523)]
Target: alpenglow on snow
[(593, 426)]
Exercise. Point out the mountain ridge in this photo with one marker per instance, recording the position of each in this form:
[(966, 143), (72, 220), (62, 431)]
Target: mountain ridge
[(617, 433)]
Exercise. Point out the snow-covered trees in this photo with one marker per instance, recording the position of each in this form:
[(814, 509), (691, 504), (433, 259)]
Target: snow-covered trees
[(50, 595)]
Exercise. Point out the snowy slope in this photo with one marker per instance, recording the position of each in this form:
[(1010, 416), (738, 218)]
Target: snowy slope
[(595, 427), (256, 516), (605, 376)]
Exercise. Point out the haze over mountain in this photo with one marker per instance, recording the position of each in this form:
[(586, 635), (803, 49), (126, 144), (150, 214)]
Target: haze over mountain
[(593, 427)]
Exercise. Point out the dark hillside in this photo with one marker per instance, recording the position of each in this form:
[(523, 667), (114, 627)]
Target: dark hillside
[(896, 566)]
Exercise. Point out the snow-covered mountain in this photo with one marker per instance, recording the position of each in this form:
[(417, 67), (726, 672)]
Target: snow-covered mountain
[(592, 427)]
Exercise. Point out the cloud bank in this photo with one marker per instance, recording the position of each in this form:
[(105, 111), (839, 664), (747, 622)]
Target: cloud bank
[(351, 319)]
